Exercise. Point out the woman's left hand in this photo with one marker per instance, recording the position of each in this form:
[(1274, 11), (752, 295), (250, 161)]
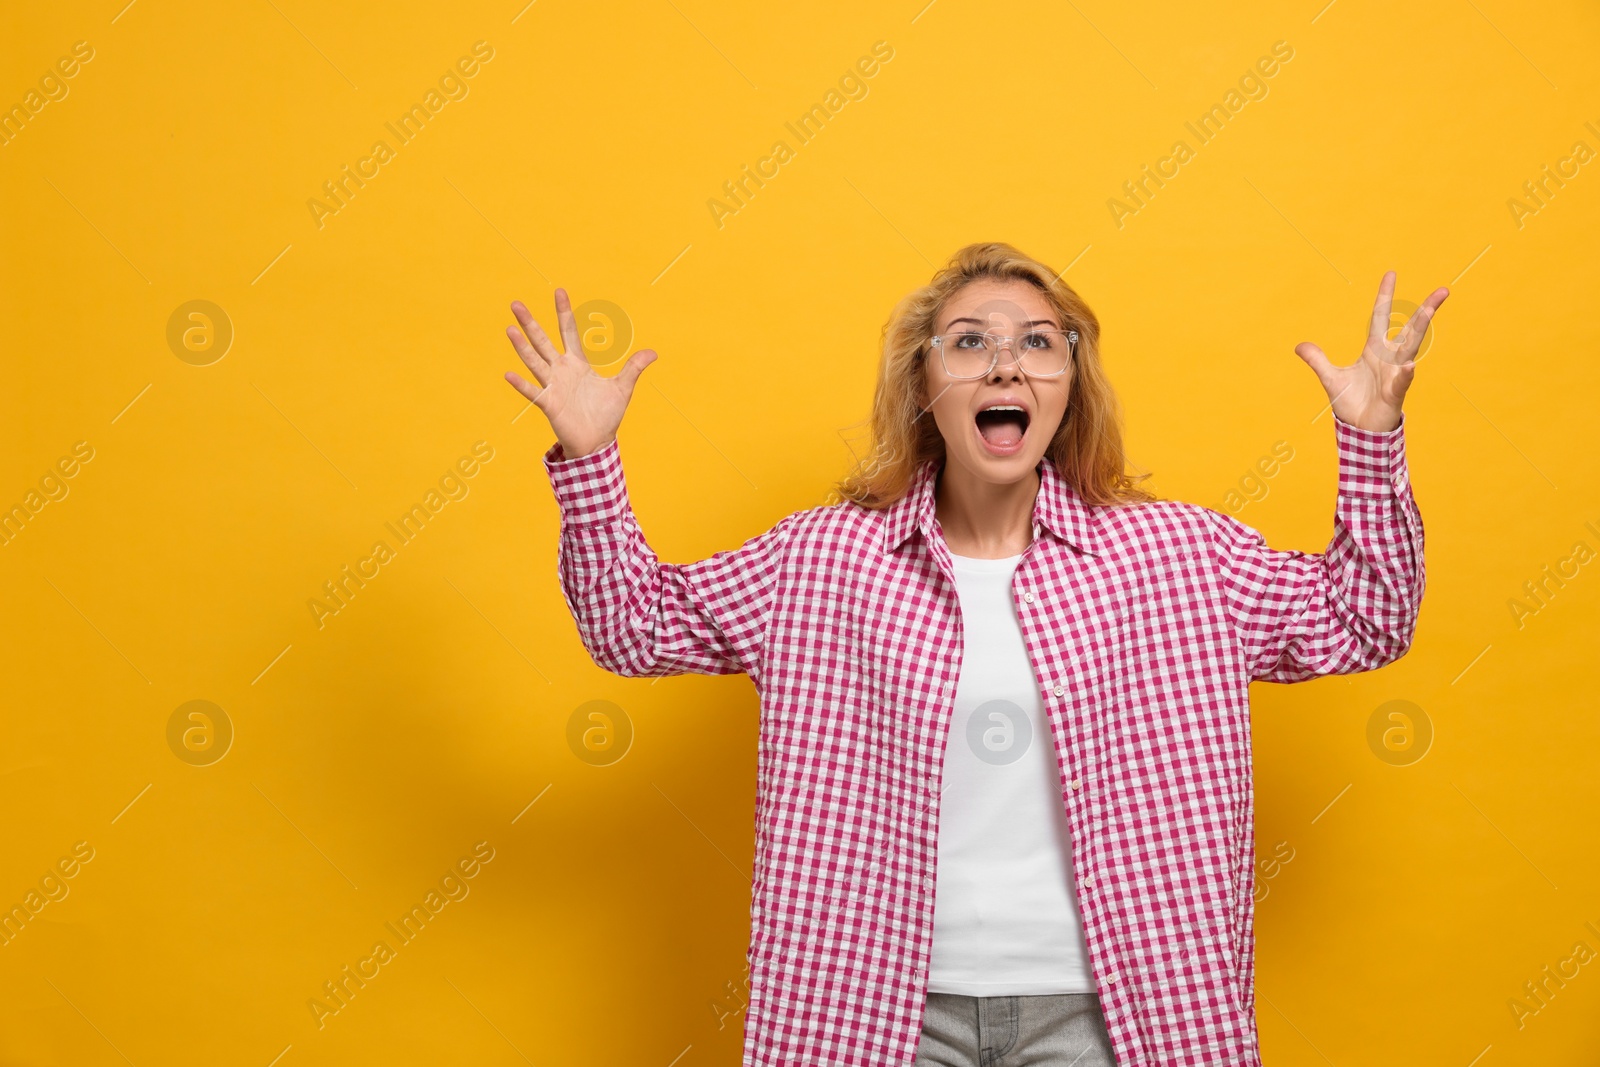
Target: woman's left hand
[(1368, 393)]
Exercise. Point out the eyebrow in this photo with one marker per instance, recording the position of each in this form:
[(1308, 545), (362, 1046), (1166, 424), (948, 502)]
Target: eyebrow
[(975, 322)]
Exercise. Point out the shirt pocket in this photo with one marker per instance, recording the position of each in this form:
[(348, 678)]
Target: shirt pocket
[(1170, 615), (1168, 580)]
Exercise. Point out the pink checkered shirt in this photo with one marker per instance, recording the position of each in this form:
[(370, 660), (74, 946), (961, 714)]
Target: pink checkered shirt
[(1145, 625)]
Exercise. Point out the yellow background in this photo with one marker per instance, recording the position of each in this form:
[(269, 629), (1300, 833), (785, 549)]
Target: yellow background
[(371, 754)]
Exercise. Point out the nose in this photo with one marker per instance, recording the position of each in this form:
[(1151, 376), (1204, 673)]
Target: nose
[(1002, 362)]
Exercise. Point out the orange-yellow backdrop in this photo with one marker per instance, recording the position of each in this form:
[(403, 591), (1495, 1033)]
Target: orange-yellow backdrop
[(1418, 872)]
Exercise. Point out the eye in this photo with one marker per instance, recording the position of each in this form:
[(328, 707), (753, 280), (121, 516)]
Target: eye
[(969, 341)]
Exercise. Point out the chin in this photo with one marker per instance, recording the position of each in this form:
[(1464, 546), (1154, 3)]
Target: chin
[(996, 470)]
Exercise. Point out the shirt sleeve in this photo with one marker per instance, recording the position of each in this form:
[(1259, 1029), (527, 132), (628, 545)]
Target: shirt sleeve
[(1353, 608), (637, 616)]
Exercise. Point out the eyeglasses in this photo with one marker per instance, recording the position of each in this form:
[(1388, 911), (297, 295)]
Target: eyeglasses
[(1039, 353)]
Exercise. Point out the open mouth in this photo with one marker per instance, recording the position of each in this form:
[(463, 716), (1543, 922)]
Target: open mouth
[(1002, 428)]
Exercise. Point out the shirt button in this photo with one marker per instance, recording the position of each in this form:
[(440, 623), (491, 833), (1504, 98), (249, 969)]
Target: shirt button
[(1076, 783), (1088, 883), (1111, 979), (1059, 690), (1027, 598)]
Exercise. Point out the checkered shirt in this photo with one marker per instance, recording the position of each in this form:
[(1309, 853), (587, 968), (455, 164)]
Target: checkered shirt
[(1145, 625)]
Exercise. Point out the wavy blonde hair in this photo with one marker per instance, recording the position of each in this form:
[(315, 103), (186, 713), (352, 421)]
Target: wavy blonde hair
[(1087, 447)]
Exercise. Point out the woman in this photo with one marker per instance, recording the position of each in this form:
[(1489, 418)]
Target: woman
[(999, 664)]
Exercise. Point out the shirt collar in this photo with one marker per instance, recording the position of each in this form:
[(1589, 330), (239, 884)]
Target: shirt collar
[(1058, 509)]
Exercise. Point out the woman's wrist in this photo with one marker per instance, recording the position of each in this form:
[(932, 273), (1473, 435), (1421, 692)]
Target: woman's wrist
[(579, 449)]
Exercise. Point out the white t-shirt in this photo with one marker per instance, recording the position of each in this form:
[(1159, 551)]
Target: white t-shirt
[(1006, 919)]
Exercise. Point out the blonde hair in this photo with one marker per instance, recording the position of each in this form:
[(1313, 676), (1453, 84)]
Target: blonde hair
[(1087, 447)]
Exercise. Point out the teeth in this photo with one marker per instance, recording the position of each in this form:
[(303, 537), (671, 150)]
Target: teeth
[(1002, 407)]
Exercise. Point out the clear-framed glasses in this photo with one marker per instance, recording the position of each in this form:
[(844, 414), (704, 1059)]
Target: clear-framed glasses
[(1040, 353)]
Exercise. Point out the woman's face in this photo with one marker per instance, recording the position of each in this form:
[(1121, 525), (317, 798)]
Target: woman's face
[(999, 447)]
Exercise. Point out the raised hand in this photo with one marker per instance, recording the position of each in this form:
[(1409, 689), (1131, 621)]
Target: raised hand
[(584, 408), (1368, 393)]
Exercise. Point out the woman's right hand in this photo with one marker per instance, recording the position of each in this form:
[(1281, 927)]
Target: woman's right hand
[(584, 408)]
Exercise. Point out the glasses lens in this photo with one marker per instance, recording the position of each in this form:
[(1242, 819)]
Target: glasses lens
[(1044, 353), (966, 355)]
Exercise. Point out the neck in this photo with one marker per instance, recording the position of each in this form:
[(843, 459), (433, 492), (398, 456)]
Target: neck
[(985, 520)]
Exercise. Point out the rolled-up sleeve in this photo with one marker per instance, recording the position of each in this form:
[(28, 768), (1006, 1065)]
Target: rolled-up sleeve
[(1353, 608), (637, 616)]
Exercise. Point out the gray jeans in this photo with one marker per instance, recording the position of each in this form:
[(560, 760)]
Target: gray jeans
[(1064, 1030)]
